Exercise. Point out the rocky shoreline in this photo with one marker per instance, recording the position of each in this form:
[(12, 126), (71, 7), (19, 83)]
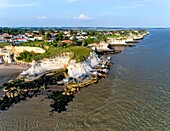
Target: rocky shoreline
[(78, 75)]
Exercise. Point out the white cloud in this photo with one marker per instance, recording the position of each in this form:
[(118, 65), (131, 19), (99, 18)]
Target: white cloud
[(70, 1), (41, 17), (8, 4), (83, 17)]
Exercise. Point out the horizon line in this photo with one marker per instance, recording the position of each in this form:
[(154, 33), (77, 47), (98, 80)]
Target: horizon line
[(76, 27)]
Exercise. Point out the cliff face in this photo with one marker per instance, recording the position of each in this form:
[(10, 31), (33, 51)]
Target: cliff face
[(113, 41), (55, 63), (37, 69), (77, 69), (74, 69), (93, 59)]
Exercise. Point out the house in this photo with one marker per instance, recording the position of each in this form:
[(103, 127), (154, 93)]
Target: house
[(31, 39), (66, 32), (117, 33), (69, 42), (81, 37), (7, 35), (29, 34), (53, 34), (38, 37), (50, 40), (84, 33), (21, 39), (3, 40)]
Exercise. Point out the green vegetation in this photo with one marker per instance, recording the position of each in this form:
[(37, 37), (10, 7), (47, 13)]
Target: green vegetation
[(142, 31), (26, 56), (13, 31), (3, 44), (47, 36), (91, 40), (35, 44), (77, 52)]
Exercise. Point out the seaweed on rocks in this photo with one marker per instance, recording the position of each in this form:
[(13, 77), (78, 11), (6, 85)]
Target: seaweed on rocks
[(60, 101)]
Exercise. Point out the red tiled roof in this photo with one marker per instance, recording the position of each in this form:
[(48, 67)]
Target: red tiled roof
[(36, 36), (67, 41), (21, 39)]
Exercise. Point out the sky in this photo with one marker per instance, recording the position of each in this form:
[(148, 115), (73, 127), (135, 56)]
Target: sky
[(85, 13)]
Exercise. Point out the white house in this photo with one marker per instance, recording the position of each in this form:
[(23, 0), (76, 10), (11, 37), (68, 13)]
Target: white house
[(38, 38)]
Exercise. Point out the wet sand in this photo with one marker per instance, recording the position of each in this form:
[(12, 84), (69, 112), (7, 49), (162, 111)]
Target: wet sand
[(8, 72)]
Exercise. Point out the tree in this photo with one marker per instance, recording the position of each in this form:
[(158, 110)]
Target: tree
[(41, 32), (74, 39), (71, 32), (59, 37), (84, 43), (47, 36)]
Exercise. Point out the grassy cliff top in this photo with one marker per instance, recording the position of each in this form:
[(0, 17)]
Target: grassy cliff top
[(77, 52)]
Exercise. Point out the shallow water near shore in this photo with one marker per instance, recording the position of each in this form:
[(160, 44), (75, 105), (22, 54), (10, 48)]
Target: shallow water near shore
[(135, 96), (9, 72)]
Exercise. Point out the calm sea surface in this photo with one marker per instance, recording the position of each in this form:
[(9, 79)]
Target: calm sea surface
[(135, 96)]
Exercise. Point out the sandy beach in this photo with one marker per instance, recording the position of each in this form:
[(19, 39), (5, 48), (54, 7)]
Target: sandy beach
[(8, 72)]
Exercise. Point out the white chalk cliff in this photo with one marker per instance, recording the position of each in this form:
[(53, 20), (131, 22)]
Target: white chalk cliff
[(74, 69)]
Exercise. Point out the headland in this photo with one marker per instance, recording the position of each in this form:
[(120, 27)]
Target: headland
[(67, 60)]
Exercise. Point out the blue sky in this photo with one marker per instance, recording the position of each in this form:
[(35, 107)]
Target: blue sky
[(105, 13)]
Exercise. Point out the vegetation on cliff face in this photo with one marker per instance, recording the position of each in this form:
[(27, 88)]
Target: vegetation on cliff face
[(26, 56)]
